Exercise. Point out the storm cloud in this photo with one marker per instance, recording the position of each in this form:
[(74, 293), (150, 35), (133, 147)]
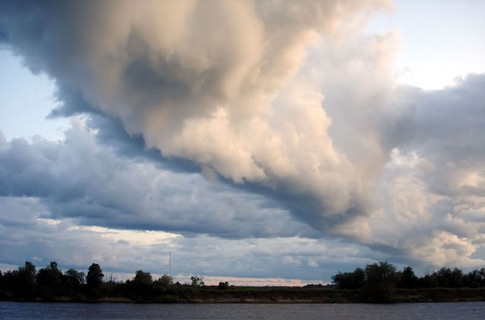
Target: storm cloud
[(247, 120)]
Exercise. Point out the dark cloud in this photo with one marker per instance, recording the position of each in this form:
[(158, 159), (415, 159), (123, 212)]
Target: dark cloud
[(3, 34), (89, 182), (71, 103), (218, 119)]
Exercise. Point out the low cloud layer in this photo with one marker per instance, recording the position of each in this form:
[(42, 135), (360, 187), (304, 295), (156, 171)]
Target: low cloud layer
[(80, 179), (265, 122)]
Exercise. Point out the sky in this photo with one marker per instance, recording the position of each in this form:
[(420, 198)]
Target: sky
[(255, 142)]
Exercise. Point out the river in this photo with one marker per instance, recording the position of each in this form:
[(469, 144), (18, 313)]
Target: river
[(71, 311)]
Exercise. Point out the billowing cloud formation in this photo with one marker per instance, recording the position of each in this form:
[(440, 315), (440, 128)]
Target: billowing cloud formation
[(290, 104), (434, 180), (430, 194), (204, 82)]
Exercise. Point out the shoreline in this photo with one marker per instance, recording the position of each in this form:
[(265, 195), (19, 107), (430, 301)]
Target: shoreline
[(274, 296)]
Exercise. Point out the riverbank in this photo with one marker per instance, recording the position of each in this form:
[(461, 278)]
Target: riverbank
[(321, 295), (271, 295)]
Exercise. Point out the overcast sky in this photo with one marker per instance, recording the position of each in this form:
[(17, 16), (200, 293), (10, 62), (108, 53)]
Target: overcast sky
[(257, 142)]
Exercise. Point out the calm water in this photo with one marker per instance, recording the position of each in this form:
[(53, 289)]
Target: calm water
[(462, 310)]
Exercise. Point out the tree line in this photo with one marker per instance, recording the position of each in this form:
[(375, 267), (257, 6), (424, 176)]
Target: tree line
[(49, 283), (27, 283), (378, 282)]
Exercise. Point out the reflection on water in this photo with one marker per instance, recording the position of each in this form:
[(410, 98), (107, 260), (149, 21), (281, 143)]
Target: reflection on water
[(28, 310)]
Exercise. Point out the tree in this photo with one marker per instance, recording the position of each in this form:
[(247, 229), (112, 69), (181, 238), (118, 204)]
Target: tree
[(456, 278), (475, 278), (26, 279), (94, 278), (381, 281), (448, 278), (49, 279), (73, 278), (162, 284), (20, 283), (350, 280), (143, 278), (165, 281), (142, 285), (408, 279), (197, 282), (443, 276), (429, 281)]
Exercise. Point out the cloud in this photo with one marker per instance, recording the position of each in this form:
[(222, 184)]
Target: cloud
[(30, 236), (3, 140), (34, 229), (199, 91), (249, 121), (81, 179), (432, 183)]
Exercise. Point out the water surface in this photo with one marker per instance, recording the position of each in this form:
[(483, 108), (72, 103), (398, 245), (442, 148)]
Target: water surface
[(42, 310)]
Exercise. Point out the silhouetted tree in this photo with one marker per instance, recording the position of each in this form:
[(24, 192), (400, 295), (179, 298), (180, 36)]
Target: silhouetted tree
[(165, 281), (408, 279), (143, 278), (95, 275), (448, 278), (27, 279), (381, 280), (162, 284), (20, 283), (73, 278), (49, 279), (443, 277), (28, 274), (475, 278), (428, 281), (141, 287), (456, 280), (350, 280), (9, 282), (197, 282), (94, 279)]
